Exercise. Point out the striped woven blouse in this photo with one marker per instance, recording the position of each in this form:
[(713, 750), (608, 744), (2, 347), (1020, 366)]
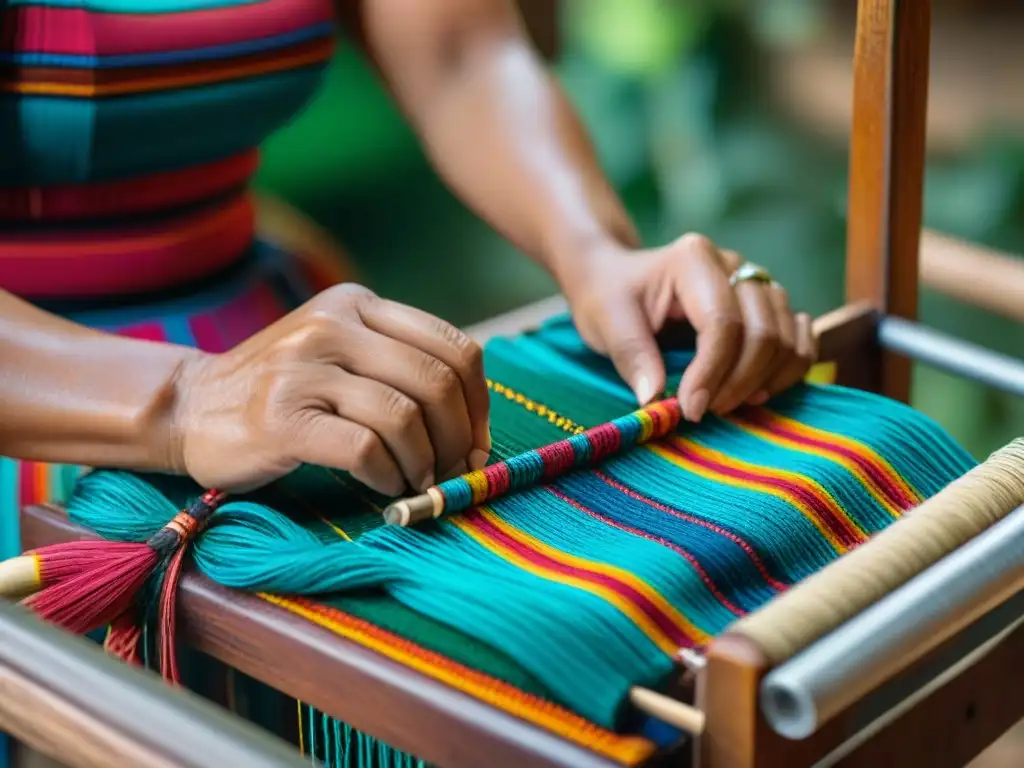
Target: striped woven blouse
[(129, 130)]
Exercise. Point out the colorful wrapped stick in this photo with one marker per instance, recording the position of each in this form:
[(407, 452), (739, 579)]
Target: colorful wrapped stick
[(527, 469)]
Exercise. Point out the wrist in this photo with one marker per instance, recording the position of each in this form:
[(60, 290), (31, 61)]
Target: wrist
[(578, 268), (173, 414)]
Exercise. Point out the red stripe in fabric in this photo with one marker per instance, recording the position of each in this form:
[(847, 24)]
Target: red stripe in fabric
[(132, 259), (626, 591), (42, 29), (126, 197)]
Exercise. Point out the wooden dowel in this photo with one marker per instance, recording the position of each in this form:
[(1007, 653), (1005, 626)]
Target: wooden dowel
[(19, 577), (668, 710), (973, 274)]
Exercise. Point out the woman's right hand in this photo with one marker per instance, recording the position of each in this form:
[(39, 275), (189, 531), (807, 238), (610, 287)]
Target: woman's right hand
[(393, 395)]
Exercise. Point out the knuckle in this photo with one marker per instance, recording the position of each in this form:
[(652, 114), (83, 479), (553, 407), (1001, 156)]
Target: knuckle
[(765, 336), (400, 410), (694, 241), (319, 329), (727, 324), (471, 355), (442, 381), (346, 294)]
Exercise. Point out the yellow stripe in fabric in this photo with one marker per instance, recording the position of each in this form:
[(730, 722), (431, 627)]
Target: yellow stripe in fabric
[(760, 485), (848, 464), (869, 454), (169, 80), (637, 616), (629, 750)]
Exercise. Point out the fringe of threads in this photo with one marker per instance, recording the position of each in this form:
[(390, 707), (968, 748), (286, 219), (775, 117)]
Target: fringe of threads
[(334, 744)]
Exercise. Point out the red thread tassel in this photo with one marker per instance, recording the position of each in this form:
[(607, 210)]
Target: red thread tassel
[(92, 584), (124, 639), (88, 588), (168, 619)]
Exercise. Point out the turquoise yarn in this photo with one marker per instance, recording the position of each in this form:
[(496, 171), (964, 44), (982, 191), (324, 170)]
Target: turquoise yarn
[(711, 550)]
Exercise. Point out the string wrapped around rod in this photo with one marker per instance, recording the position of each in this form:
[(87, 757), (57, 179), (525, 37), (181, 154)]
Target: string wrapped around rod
[(546, 463), (939, 525)]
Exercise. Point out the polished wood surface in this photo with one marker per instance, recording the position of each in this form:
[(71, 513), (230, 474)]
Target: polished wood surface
[(979, 276), (949, 725), (887, 148), (402, 707), (65, 698)]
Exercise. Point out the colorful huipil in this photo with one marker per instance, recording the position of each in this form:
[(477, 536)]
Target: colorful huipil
[(129, 131)]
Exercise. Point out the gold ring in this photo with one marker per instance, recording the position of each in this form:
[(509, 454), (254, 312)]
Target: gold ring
[(750, 271)]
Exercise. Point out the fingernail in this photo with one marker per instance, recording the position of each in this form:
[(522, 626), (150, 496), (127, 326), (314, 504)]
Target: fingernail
[(759, 398), (477, 459), (644, 390), (697, 405), (427, 481)]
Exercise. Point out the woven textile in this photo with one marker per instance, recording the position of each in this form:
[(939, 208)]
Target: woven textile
[(551, 603)]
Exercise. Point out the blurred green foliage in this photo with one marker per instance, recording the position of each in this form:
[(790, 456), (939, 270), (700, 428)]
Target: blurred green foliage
[(671, 93)]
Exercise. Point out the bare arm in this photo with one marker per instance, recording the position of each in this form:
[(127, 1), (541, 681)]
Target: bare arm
[(72, 395), (495, 124)]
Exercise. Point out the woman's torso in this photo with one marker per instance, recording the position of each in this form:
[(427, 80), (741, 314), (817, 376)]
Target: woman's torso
[(129, 130)]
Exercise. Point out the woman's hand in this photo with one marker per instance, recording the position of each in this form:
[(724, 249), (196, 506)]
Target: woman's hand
[(750, 345), (351, 381)]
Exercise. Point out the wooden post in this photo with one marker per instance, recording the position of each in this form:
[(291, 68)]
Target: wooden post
[(887, 151)]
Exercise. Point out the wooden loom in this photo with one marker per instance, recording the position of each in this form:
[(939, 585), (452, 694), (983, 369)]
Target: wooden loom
[(939, 705)]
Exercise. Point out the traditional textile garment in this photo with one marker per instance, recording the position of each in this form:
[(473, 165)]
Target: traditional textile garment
[(601, 575), (129, 129)]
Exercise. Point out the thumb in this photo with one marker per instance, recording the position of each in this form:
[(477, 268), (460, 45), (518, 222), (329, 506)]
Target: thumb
[(631, 345)]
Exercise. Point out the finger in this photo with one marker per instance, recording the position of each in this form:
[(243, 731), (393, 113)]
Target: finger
[(760, 343), (393, 416), (432, 384), (786, 363), (324, 439), (629, 341), (451, 346), (806, 349), (713, 311)]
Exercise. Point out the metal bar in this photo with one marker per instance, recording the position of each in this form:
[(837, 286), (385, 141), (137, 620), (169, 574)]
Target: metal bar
[(842, 667), (172, 727), (952, 355)]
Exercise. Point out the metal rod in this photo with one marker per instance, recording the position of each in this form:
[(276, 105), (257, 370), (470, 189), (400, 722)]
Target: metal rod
[(839, 669), (952, 355), (174, 727)]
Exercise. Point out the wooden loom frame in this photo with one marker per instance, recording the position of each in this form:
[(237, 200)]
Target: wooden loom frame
[(448, 728)]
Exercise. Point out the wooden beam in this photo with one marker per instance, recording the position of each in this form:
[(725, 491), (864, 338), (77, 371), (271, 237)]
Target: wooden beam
[(887, 150)]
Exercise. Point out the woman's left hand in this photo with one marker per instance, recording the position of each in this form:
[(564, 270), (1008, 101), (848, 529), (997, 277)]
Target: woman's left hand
[(750, 344)]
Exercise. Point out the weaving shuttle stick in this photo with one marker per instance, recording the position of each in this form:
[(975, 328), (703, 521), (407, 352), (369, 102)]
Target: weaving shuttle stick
[(546, 463)]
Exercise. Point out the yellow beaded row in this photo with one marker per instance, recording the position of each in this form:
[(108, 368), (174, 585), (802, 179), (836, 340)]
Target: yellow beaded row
[(533, 406)]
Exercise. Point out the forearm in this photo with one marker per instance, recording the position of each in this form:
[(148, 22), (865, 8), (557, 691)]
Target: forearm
[(506, 139), (72, 395), (495, 124)]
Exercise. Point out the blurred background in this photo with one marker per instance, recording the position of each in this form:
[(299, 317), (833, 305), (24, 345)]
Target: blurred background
[(721, 116)]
